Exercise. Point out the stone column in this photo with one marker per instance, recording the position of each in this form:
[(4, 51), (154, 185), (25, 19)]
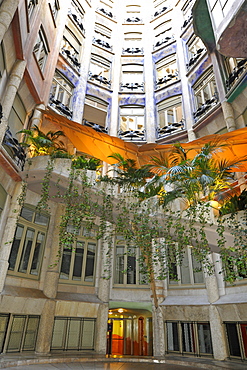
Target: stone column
[(103, 294), (37, 116), (211, 284), (44, 337), (8, 236), (10, 93), (158, 332), (228, 114), (7, 11), (52, 273), (218, 334)]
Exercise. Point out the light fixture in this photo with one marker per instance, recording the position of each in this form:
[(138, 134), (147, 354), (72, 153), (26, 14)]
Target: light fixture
[(120, 310)]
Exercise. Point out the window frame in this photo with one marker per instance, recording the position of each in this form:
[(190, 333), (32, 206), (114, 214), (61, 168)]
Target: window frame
[(134, 116), (41, 40), (164, 106), (23, 246)]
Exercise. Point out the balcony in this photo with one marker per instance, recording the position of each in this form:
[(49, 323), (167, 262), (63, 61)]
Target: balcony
[(95, 126), (60, 107), (172, 128), (195, 58), (204, 108), (132, 51), (236, 74), (133, 20), (164, 41), (102, 43), (14, 149), (186, 22), (159, 12), (133, 86), (71, 57), (99, 79), (108, 14), (172, 77), (78, 20), (131, 135)]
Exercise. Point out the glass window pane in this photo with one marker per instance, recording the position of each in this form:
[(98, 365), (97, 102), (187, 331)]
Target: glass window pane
[(243, 328), (37, 253), (59, 333), (41, 219), (4, 319), (77, 271), (188, 337), (119, 272), (87, 341), (26, 250), (131, 268), (172, 336), (89, 272), (204, 337), (16, 333), (73, 334), (233, 340), (15, 247), (65, 266), (27, 214), (197, 271), (31, 333)]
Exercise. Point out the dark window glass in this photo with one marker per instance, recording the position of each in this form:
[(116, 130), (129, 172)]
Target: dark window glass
[(233, 340)]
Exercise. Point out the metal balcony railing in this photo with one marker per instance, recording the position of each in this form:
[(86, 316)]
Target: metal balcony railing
[(166, 79), (71, 58), (133, 86), (95, 126), (98, 78), (170, 129), (102, 43), (164, 41), (195, 58), (132, 135), (204, 108), (14, 149), (158, 12), (236, 74), (108, 14), (132, 51), (59, 106)]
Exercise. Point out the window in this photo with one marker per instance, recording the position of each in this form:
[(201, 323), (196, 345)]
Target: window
[(41, 50), (163, 34), (31, 4), (205, 94), (28, 245), (99, 71), (72, 333), (132, 118), (170, 112), (235, 68), (61, 93), (237, 339), (18, 332), (3, 197), (17, 116), (127, 265), (78, 262), (189, 272), (54, 6), (102, 30), (132, 39), (189, 337), (70, 48), (132, 77), (195, 50), (219, 10), (95, 111), (76, 13), (166, 71)]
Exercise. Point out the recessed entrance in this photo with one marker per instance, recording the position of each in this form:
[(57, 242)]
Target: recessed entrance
[(129, 332)]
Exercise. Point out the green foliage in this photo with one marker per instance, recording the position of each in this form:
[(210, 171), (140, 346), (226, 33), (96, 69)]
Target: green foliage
[(82, 162)]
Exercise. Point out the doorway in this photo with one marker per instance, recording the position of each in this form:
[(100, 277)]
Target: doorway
[(129, 333)]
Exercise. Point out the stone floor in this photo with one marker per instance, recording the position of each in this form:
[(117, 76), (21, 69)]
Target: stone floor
[(62, 361)]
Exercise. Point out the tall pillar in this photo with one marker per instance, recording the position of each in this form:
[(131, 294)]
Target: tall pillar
[(37, 116), (52, 273), (8, 236), (44, 337), (103, 294), (7, 11), (218, 335), (10, 93), (212, 285), (158, 332), (228, 114)]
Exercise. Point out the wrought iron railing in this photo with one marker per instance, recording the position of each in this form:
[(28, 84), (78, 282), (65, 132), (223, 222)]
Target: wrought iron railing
[(133, 20), (187, 21), (101, 79), (158, 12), (237, 72), (102, 43), (133, 86), (59, 106), (77, 19), (108, 14), (195, 58), (170, 129), (166, 40), (95, 126), (14, 149), (171, 77), (132, 135), (71, 58), (132, 51), (204, 108)]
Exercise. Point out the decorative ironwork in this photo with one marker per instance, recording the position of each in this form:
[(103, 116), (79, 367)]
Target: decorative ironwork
[(132, 86), (133, 20), (187, 21), (14, 149), (77, 16), (195, 58), (101, 79), (172, 128), (204, 108), (160, 11), (109, 14), (168, 78), (102, 43), (62, 108), (236, 73), (95, 126), (71, 58), (163, 41), (1, 112), (132, 135), (133, 51)]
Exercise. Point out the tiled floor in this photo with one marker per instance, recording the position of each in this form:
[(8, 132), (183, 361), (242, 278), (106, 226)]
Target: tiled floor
[(102, 366)]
